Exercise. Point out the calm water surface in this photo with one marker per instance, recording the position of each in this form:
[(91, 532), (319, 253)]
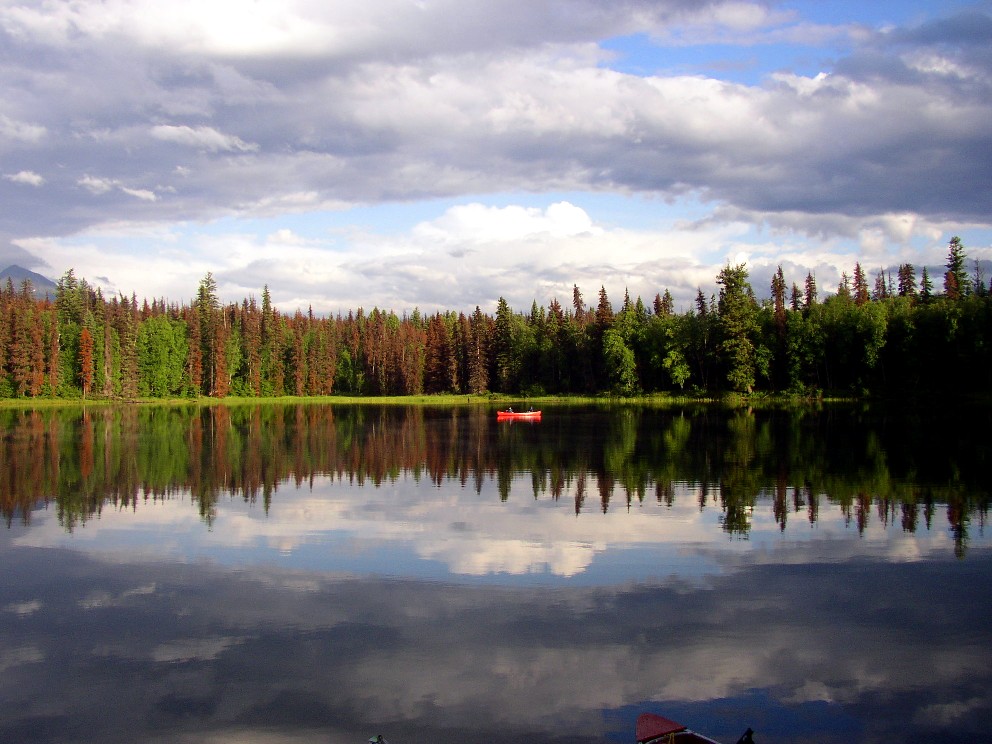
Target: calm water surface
[(324, 574)]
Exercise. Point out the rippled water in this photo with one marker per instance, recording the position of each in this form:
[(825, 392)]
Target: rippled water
[(319, 573)]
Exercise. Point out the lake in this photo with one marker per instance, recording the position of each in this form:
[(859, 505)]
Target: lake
[(326, 573)]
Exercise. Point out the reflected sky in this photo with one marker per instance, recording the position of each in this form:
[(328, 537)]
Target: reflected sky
[(410, 527), (201, 651)]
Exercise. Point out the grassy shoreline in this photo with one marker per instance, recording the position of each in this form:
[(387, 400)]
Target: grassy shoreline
[(490, 401), (443, 400)]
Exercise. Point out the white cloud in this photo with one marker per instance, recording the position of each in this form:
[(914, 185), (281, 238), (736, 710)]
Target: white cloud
[(471, 254), (478, 223), (143, 194), (19, 130), (206, 138), (99, 186), (96, 185), (26, 177)]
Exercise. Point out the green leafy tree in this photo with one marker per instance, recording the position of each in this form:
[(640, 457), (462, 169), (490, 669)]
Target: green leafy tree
[(621, 366), (676, 354)]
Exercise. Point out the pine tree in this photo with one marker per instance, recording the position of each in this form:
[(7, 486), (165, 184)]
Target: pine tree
[(478, 343), (957, 284), (844, 288), (907, 280), (926, 286), (861, 295), (810, 291), (795, 298), (577, 304), (778, 299), (701, 308), (604, 311), (86, 360), (207, 311), (979, 286), (502, 348), (738, 317), (880, 290), (664, 304)]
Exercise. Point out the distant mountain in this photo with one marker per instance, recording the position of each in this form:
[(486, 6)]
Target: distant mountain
[(17, 274)]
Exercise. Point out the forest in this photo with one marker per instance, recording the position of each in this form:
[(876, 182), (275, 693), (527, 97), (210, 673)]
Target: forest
[(885, 336)]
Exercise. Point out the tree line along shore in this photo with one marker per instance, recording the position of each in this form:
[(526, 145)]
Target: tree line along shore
[(893, 336)]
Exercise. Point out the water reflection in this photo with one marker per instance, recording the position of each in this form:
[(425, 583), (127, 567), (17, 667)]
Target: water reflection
[(866, 465), (831, 652), (322, 574)]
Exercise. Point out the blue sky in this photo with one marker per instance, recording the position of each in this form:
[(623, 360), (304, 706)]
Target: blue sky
[(439, 154)]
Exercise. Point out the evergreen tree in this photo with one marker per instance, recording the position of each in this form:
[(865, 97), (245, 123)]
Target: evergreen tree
[(861, 295), (795, 298), (979, 286), (604, 311), (208, 318), (844, 288), (85, 360), (577, 304), (907, 280), (810, 291), (880, 290), (502, 348), (779, 320), (738, 318), (926, 286), (700, 303), (664, 304), (478, 351), (957, 284)]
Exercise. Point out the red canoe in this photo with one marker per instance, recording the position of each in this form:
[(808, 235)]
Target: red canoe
[(518, 415), (654, 729)]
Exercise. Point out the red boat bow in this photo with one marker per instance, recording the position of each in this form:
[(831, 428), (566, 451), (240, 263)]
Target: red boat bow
[(655, 729), (651, 726)]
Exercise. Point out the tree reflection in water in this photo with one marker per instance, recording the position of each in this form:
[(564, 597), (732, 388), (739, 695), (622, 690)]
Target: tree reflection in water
[(860, 461)]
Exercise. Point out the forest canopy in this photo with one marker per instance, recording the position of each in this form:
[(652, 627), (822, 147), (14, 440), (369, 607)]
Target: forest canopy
[(897, 335)]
